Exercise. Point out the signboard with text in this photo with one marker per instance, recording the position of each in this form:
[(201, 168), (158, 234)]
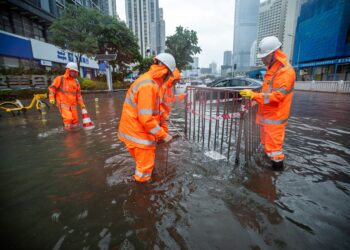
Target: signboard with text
[(48, 52)]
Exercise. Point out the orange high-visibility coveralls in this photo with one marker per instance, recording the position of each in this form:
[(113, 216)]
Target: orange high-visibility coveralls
[(66, 90), (274, 102), (139, 124), (167, 97)]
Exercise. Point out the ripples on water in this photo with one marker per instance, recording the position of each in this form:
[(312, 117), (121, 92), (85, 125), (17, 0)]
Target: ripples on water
[(71, 190)]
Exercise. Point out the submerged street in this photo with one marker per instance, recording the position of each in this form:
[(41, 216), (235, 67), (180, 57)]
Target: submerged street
[(64, 190)]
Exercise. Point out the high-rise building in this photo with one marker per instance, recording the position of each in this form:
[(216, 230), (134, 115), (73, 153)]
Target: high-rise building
[(144, 19), (24, 33), (322, 41), (108, 7), (245, 30), (278, 18), (213, 67), (161, 31), (252, 54), (227, 58)]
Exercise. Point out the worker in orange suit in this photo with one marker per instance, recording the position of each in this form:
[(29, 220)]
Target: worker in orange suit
[(65, 93), (274, 100), (139, 125), (167, 97)]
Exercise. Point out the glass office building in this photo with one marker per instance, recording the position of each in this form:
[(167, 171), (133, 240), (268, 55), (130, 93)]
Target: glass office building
[(322, 41)]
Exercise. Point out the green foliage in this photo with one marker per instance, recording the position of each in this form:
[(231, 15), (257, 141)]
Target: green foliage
[(87, 31), (144, 65), (116, 38), (121, 85), (77, 30), (183, 45), (88, 84), (32, 71)]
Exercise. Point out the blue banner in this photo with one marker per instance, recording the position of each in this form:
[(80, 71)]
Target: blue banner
[(15, 47)]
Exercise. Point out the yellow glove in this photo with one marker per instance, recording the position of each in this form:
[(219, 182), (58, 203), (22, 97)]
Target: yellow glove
[(52, 101), (247, 93)]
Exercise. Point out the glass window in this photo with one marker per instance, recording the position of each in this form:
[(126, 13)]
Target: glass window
[(5, 23), (224, 83)]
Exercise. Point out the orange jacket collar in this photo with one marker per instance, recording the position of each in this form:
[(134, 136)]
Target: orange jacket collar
[(157, 72)]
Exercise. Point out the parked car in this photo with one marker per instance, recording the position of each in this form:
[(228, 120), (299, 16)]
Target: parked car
[(238, 83)]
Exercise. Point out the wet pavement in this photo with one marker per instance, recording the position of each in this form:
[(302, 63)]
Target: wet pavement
[(64, 190)]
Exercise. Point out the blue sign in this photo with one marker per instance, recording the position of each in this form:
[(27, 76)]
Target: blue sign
[(70, 57), (61, 55), (327, 62), (15, 46)]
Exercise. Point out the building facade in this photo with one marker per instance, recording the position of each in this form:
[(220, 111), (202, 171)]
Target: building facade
[(24, 41), (145, 19), (245, 30), (227, 58), (322, 44), (278, 18)]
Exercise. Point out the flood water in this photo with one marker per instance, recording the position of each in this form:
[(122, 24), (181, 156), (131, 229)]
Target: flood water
[(64, 190)]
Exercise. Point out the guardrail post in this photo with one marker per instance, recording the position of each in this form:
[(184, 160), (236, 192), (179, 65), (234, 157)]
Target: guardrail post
[(340, 86), (312, 86)]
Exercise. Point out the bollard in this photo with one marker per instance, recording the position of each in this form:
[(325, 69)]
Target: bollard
[(97, 106), (43, 112)]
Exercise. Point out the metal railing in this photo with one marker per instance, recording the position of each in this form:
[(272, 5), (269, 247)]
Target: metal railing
[(220, 120), (324, 86)]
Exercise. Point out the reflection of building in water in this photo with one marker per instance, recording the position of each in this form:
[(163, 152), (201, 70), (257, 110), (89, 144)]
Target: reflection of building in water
[(263, 184)]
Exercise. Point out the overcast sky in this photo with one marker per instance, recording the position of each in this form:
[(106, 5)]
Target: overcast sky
[(211, 19)]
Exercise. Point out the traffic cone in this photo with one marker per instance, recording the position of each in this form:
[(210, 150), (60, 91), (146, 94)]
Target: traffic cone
[(87, 123)]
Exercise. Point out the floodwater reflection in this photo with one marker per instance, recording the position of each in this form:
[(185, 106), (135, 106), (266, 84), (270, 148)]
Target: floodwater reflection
[(71, 190)]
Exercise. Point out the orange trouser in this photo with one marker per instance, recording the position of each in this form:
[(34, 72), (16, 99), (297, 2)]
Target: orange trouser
[(272, 137), (69, 116), (144, 163)]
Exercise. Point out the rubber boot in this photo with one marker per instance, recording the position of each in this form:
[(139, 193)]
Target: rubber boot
[(277, 165)]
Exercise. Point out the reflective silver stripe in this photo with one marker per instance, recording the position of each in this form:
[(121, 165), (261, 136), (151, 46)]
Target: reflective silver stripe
[(67, 106), (145, 111), (270, 86), (268, 121), (155, 130), (51, 93), (276, 159), (266, 98), (275, 153), (139, 174), (62, 91), (284, 91), (137, 140), (127, 100), (135, 88)]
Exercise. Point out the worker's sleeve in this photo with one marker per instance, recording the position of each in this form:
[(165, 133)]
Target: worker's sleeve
[(79, 96), (54, 87), (164, 111), (147, 109), (284, 83)]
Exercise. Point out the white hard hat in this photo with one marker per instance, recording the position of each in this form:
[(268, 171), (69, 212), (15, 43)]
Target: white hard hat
[(168, 60), (72, 66), (268, 45)]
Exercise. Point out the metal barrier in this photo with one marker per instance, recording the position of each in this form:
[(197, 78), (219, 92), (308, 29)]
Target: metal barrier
[(324, 86), (220, 120)]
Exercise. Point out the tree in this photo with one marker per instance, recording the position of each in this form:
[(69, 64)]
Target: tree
[(115, 38), (76, 30), (183, 45), (144, 65)]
